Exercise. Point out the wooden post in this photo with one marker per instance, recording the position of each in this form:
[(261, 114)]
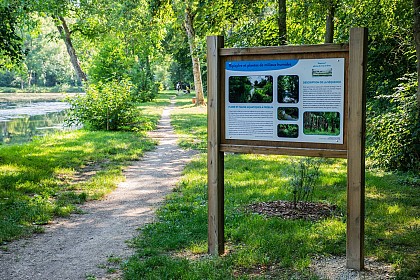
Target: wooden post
[(356, 149), (215, 158)]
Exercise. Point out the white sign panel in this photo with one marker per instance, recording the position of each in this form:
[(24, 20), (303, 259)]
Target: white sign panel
[(298, 100)]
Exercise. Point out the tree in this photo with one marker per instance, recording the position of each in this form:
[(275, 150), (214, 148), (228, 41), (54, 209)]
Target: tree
[(329, 21), (10, 42), (185, 14), (189, 15), (65, 34), (416, 31), (176, 48), (58, 10), (282, 22)]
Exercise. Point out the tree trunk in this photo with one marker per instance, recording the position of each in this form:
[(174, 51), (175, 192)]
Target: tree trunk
[(189, 29), (66, 35), (329, 25), (282, 22), (416, 31), (30, 78)]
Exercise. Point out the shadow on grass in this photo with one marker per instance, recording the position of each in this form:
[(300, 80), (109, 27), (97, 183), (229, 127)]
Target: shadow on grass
[(36, 178), (178, 242)]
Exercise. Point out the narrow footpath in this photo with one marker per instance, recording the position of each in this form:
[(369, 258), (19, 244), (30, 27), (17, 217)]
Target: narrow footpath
[(81, 246)]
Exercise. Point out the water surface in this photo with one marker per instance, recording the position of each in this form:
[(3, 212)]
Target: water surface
[(21, 121)]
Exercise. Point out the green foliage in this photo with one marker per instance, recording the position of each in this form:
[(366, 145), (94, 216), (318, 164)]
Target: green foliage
[(393, 128), (239, 89), (389, 59), (105, 106), (110, 63), (113, 64), (176, 44), (10, 43), (306, 174), (144, 88), (260, 32), (250, 89)]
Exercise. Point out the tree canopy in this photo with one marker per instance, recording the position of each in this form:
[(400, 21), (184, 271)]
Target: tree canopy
[(151, 43)]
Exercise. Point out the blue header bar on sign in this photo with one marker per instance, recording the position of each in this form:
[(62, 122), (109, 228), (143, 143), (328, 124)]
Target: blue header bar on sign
[(260, 65)]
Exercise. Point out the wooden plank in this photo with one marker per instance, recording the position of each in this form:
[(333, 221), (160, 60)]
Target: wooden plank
[(291, 151), (289, 49), (215, 158), (356, 149), (283, 144)]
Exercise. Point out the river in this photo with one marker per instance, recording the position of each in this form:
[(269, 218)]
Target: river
[(21, 121)]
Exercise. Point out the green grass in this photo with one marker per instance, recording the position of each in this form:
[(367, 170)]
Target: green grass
[(257, 247), (41, 180), (37, 89), (190, 123), (152, 111)]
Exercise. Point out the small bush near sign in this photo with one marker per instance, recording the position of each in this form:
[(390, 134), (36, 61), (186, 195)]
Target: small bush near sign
[(306, 174)]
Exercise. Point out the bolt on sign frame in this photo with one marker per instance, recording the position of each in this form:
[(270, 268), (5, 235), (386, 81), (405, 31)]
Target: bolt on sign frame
[(224, 118)]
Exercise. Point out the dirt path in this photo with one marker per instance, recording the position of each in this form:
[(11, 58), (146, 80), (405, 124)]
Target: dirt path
[(83, 245)]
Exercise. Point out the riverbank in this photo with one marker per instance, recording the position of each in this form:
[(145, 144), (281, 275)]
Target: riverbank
[(52, 175), (35, 97)]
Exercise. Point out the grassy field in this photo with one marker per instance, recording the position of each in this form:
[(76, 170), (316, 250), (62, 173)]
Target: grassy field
[(53, 175), (190, 122), (259, 247), (50, 176)]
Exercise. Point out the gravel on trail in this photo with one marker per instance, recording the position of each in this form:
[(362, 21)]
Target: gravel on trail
[(82, 246)]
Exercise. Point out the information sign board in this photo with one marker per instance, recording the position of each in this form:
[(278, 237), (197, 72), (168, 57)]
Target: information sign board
[(295, 100), (288, 100)]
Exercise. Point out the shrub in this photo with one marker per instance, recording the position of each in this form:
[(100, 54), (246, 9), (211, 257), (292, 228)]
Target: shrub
[(306, 173), (393, 128), (105, 106)]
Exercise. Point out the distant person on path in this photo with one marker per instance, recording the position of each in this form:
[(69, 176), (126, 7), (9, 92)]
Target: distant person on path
[(178, 86)]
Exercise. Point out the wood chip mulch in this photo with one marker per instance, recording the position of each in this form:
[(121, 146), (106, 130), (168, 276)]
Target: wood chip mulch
[(312, 211)]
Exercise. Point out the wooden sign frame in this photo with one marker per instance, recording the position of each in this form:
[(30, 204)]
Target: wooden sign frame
[(352, 148)]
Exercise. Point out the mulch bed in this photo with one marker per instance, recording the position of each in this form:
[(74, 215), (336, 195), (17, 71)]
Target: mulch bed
[(312, 211)]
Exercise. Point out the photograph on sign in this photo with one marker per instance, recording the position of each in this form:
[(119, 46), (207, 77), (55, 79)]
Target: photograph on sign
[(299, 100)]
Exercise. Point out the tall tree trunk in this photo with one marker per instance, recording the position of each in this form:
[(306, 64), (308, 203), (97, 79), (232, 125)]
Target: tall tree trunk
[(30, 78), (329, 24), (282, 22), (189, 29), (66, 35), (416, 31)]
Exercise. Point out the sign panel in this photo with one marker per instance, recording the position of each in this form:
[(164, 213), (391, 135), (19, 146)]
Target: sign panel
[(298, 100)]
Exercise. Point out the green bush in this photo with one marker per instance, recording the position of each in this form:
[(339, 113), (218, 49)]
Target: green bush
[(306, 173), (105, 106), (8, 90), (145, 89), (112, 63), (393, 128)]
